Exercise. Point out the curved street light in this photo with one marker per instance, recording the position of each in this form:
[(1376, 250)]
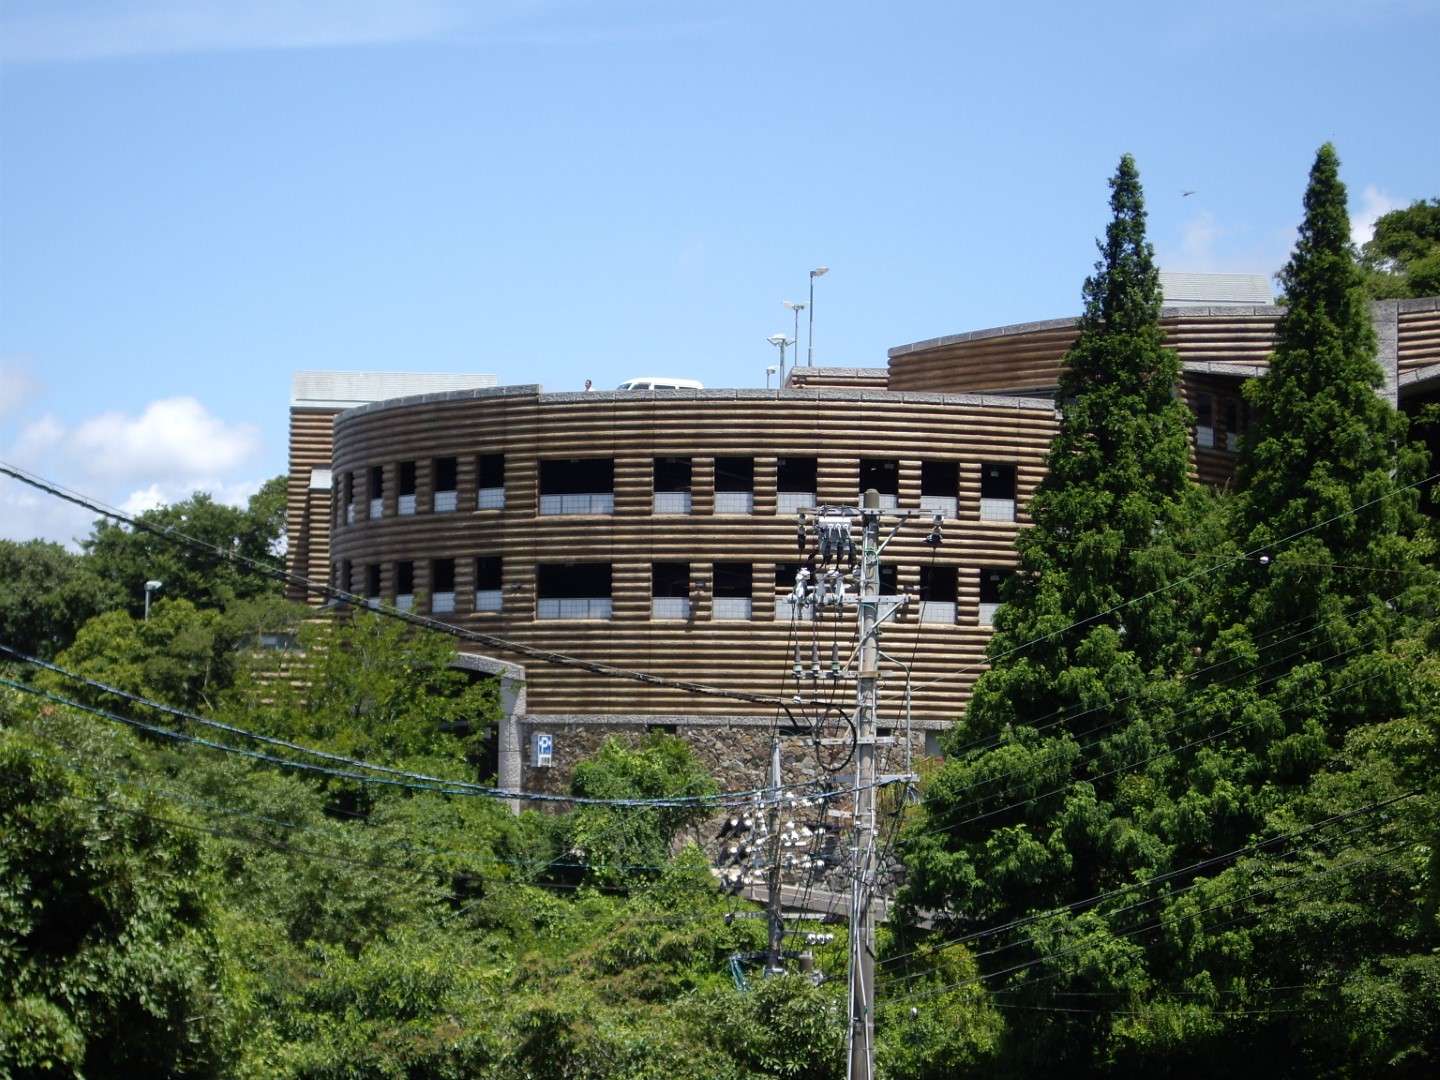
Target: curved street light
[(780, 341), (819, 271)]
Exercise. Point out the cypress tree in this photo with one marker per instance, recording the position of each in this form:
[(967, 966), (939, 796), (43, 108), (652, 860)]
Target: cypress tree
[(1093, 589), (1323, 496), (1024, 814)]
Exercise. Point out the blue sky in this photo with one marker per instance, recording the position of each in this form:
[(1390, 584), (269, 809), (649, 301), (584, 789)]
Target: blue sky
[(199, 197)]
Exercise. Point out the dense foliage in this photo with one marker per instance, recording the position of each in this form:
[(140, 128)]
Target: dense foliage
[(1187, 826), (1188, 823), (1402, 258)]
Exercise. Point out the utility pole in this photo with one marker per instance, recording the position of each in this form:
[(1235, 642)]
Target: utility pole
[(774, 953), (863, 869)]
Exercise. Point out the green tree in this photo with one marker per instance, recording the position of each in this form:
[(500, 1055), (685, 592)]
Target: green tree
[(1025, 812), (128, 557), (367, 687), (182, 656), (623, 844), (1402, 258), (108, 959), (46, 595), (1054, 790)]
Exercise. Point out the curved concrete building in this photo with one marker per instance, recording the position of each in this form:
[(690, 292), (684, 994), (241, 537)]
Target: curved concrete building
[(654, 531)]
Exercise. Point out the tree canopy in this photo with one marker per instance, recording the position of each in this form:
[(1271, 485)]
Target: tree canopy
[(1402, 258)]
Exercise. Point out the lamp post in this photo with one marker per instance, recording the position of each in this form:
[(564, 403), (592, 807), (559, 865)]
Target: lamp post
[(810, 353), (796, 308), (150, 587), (780, 341)]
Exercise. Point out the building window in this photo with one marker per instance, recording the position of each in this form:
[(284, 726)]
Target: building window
[(488, 594), (1204, 421), (672, 485), (405, 585), (577, 486), (670, 591), (1232, 425), (406, 505), (442, 587), (997, 491), (992, 582), (572, 591), (490, 482), (348, 485), (447, 482), (733, 591), (795, 484), (785, 606), (342, 575), (734, 485), (882, 474), (372, 585), (938, 587), (377, 492), (939, 487)]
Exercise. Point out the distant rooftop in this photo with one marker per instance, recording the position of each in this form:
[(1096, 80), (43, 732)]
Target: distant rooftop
[(1183, 290), (346, 389)]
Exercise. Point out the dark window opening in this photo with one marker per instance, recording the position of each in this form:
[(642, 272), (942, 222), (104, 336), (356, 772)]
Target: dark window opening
[(404, 578), (577, 476), (735, 474), (1204, 410), (785, 574), (939, 584), (796, 474), (889, 580), (734, 580), (882, 474), (940, 478), (407, 478), (997, 480), (490, 470), (672, 474), (377, 481), (992, 582), (487, 573), (447, 473), (442, 575), (559, 581), (372, 582), (670, 579)]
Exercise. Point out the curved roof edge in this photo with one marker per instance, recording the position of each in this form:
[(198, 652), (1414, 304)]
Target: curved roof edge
[(1016, 401)]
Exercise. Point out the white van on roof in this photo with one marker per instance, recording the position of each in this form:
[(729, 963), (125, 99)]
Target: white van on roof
[(660, 382)]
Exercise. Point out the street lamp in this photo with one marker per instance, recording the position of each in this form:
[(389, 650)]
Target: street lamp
[(150, 587), (780, 341), (810, 354), (797, 308), (768, 372)]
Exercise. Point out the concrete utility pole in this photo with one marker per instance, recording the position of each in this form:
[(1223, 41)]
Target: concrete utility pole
[(862, 915), (774, 953)]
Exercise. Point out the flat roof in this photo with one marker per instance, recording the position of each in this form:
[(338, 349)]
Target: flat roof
[(346, 389)]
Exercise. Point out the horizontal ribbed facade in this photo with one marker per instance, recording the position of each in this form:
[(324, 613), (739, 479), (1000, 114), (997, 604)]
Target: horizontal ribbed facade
[(654, 531), (726, 537)]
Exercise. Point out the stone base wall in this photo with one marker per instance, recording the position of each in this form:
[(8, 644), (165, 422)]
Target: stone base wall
[(737, 753)]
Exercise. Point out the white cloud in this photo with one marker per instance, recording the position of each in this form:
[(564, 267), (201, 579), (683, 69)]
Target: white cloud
[(42, 31), (1374, 204), (171, 450), (1207, 246), (174, 439), (17, 387)]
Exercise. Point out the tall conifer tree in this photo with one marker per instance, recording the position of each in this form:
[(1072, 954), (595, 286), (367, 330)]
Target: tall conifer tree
[(1025, 813), (1326, 454), (1034, 810)]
